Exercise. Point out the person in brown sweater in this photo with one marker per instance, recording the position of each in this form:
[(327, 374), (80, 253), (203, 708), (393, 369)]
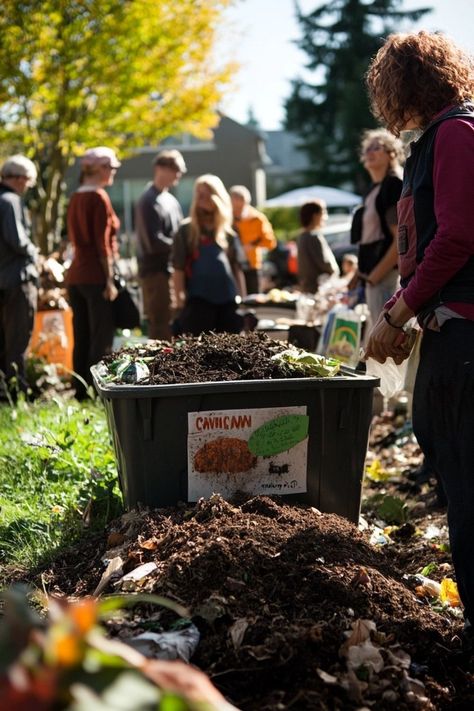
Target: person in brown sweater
[(92, 228), (315, 256)]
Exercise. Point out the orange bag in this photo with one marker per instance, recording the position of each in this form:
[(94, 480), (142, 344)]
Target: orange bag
[(52, 337), (292, 262)]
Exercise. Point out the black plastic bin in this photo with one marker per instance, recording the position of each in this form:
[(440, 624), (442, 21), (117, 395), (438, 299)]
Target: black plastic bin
[(149, 427)]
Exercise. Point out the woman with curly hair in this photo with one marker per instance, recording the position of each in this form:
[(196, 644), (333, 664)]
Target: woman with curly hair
[(207, 259), (425, 82), (374, 226)]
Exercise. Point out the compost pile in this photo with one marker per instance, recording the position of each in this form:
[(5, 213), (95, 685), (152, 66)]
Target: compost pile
[(295, 608), (212, 357)]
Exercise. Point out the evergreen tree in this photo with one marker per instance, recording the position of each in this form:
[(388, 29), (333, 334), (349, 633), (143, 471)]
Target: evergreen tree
[(252, 120), (339, 38)]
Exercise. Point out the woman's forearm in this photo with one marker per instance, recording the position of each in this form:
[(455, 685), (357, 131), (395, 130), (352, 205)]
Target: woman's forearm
[(240, 281), (107, 264), (387, 263), (400, 312), (110, 292), (179, 286)]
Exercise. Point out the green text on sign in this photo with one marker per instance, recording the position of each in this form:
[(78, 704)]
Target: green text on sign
[(278, 435)]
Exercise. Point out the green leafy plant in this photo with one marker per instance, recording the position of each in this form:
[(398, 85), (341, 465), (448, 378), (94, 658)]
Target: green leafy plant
[(429, 569), (310, 363), (391, 509), (58, 476), (64, 661), (284, 220)]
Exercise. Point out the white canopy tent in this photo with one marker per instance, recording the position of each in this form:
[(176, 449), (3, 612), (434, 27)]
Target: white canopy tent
[(333, 197)]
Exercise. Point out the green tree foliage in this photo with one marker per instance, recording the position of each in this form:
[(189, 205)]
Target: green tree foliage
[(329, 114), (94, 72)]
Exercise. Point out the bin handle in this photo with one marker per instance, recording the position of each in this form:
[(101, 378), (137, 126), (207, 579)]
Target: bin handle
[(146, 413), (344, 414)]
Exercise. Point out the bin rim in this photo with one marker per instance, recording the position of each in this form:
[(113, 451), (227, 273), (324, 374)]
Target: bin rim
[(349, 378)]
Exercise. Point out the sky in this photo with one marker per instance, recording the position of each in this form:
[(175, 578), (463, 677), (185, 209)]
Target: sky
[(261, 39)]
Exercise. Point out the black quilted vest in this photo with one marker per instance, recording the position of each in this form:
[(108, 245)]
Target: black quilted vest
[(417, 224)]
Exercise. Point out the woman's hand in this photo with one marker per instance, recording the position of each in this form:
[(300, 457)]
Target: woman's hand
[(110, 292), (387, 341), (186, 680), (366, 278)]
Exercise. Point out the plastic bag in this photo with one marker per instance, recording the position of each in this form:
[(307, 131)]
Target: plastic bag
[(305, 308), (412, 363), (392, 376)]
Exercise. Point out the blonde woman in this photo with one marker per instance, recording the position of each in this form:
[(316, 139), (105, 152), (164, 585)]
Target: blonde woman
[(207, 258), (375, 225)]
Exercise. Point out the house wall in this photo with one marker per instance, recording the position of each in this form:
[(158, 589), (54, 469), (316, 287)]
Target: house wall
[(288, 162)]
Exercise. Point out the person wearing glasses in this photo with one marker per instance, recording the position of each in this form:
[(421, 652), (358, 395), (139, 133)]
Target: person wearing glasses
[(92, 229), (18, 271), (374, 226), (424, 82), (157, 218)]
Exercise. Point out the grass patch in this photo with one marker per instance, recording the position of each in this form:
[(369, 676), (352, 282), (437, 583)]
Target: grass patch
[(58, 477)]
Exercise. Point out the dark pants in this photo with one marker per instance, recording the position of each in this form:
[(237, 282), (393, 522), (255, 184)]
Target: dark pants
[(443, 422), (252, 281), (17, 314), (93, 327), (200, 316)]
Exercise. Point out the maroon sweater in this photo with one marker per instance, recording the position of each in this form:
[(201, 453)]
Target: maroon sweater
[(453, 244), (92, 227)]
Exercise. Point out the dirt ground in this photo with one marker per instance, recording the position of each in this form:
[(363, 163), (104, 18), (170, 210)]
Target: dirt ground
[(275, 589), (297, 609)]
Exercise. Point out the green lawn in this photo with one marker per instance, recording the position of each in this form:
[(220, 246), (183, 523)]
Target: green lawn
[(57, 477)]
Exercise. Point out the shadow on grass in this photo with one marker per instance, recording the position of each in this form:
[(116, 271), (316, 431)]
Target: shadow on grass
[(29, 546)]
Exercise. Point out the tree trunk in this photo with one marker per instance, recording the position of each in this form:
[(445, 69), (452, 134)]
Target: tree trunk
[(49, 217)]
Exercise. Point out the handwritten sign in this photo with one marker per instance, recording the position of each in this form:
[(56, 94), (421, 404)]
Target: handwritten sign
[(279, 435), (256, 450)]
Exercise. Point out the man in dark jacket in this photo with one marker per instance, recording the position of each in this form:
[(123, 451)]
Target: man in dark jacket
[(18, 271), (158, 216)]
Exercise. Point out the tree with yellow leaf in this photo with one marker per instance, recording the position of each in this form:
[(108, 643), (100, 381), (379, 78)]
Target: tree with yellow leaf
[(93, 72)]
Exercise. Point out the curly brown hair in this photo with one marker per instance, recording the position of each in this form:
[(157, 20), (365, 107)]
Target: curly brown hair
[(418, 75)]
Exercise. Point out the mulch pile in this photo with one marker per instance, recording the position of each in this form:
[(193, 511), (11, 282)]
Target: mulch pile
[(273, 589), (211, 357)]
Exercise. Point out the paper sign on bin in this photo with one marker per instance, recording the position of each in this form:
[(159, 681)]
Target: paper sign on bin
[(258, 451)]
